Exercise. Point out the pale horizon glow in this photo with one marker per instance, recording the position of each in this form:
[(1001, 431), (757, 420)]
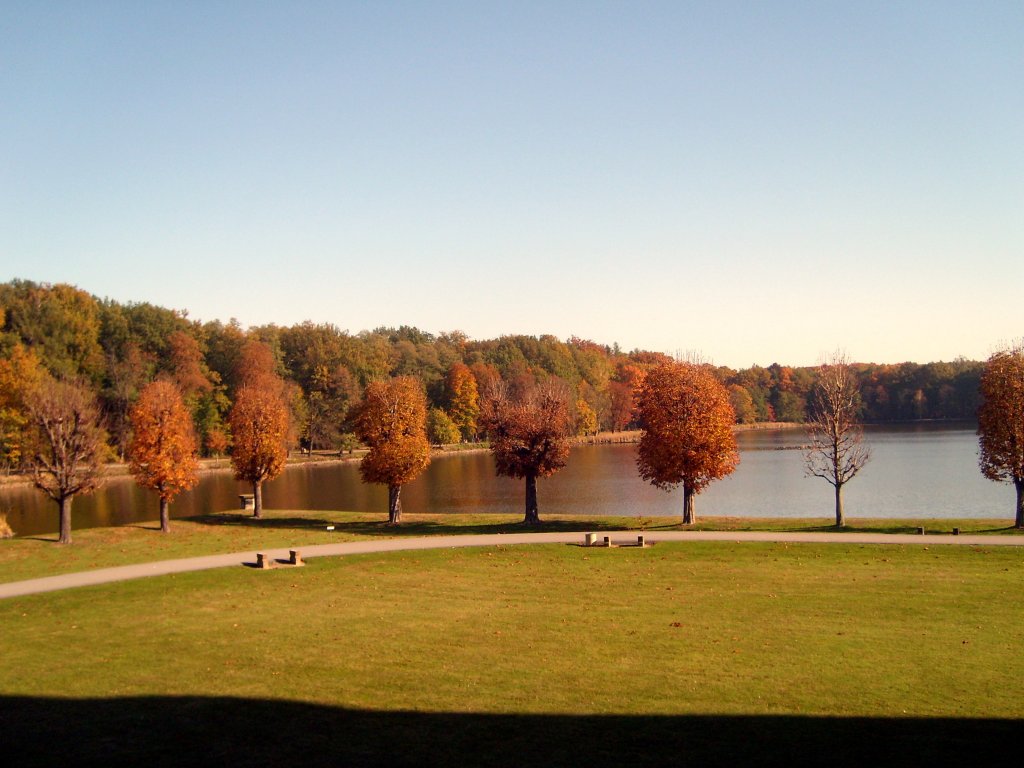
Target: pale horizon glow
[(755, 183)]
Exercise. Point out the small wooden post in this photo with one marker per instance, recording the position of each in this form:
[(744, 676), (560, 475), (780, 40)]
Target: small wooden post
[(295, 557), (956, 531), (246, 501), (264, 561), (921, 531), (640, 541), (607, 541), (591, 539)]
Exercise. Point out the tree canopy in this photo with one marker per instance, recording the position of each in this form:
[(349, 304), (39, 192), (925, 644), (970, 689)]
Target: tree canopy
[(391, 420), (66, 444), (162, 452), (116, 349), (528, 430), (259, 426), (1001, 422), (688, 438)]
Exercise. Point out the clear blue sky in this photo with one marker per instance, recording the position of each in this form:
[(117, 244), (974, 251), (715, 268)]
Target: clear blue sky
[(755, 181)]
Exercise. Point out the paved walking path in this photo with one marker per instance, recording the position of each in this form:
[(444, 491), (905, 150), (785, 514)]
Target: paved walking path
[(164, 567)]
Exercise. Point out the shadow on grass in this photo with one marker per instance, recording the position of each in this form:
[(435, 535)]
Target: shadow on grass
[(248, 521), (436, 527), (184, 731)]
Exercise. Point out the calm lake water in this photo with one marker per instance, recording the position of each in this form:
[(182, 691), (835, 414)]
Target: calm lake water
[(925, 470)]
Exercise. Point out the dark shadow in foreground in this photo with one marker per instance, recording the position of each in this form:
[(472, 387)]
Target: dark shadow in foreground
[(182, 731)]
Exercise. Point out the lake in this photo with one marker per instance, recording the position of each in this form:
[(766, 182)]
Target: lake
[(920, 470)]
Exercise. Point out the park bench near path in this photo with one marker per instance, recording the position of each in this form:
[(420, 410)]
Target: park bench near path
[(288, 555)]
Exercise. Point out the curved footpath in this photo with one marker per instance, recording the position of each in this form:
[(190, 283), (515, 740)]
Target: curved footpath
[(164, 567)]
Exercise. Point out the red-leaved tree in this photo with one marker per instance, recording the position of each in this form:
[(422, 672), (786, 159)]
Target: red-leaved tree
[(529, 433)]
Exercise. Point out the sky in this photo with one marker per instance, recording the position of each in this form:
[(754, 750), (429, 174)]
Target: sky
[(751, 182)]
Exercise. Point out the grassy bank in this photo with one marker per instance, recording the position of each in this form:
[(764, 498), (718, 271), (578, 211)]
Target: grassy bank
[(34, 556), (709, 653)]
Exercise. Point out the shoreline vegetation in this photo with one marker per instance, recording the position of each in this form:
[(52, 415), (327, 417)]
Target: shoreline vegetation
[(34, 556)]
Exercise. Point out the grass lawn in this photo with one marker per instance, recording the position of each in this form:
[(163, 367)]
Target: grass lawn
[(36, 556), (709, 653)]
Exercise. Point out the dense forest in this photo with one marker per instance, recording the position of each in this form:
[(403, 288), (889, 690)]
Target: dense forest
[(118, 348)]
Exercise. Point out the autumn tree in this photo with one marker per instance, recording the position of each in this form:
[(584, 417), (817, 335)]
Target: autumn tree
[(391, 420), (586, 418), (126, 375), (837, 451), (66, 444), (463, 399), (20, 373), (687, 423), (441, 430), (187, 366), (59, 322), (621, 405), (528, 431), (1001, 422), (259, 429), (162, 451), (742, 404)]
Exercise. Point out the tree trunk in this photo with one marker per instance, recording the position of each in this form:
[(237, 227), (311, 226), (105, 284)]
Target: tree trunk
[(1018, 483), (532, 515), (689, 518), (257, 500), (65, 520), (840, 520), (165, 517), (394, 504)]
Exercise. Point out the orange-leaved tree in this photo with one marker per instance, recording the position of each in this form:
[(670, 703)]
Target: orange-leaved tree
[(162, 450), (20, 373), (1001, 422), (66, 444), (259, 429), (687, 421), (391, 419), (463, 399), (528, 431)]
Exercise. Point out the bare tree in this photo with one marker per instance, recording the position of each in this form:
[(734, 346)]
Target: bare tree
[(67, 444), (837, 451)]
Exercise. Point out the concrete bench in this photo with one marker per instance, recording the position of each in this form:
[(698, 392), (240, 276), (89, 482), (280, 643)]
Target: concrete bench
[(590, 540), (264, 561)]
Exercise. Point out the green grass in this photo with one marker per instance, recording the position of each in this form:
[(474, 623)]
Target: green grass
[(734, 645), (35, 556)]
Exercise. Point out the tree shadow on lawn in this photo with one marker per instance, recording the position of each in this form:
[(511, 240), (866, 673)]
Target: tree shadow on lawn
[(436, 527), (184, 731)]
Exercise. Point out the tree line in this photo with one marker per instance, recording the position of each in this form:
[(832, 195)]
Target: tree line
[(116, 349)]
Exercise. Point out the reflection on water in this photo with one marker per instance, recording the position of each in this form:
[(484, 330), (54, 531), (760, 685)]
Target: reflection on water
[(916, 471)]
